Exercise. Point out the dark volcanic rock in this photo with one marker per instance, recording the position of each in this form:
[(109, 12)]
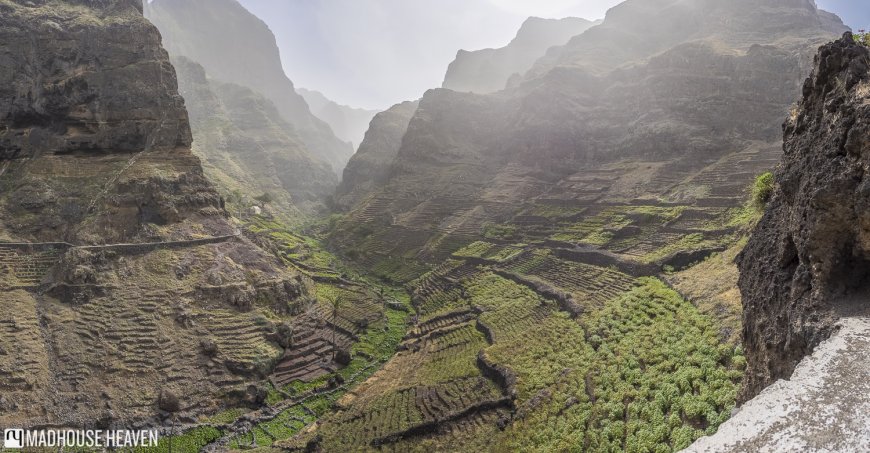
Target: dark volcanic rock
[(94, 137), (95, 152), (808, 261), (672, 85), (169, 401), (85, 88)]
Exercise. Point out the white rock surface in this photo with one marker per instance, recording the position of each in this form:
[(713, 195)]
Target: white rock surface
[(824, 407)]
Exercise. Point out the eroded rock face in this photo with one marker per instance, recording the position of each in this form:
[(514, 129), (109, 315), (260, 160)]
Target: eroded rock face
[(673, 86), (67, 85), (245, 140), (94, 137), (808, 261)]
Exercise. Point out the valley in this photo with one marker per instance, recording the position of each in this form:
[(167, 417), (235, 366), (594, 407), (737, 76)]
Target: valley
[(596, 238)]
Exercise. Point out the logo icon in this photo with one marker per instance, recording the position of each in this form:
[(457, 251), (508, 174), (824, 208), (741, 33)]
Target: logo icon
[(13, 438)]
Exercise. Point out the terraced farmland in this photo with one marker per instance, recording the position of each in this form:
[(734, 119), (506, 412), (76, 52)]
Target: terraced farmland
[(588, 348), (23, 268), (545, 371)]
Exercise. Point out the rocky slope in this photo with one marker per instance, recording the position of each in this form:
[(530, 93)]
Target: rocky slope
[(235, 46), (349, 124), (127, 294), (532, 227), (489, 70), (807, 262), (605, 120), (247, 145), (369, 167)]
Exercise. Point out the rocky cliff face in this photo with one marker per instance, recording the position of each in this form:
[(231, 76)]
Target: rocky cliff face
[(808, 260), (119, 267), (107, 102), (370, 166), (247, 145), (45, 111), (235, 46), (488, 70)]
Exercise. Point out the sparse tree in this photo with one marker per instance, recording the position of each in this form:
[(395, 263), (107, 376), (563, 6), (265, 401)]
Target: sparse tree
[(266, 198), (335, 304)]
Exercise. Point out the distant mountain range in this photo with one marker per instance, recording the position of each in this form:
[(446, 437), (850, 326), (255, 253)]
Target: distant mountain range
[(490, 70), (348, 123)]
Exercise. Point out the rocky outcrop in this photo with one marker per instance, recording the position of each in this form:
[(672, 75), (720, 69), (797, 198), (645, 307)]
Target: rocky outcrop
[(808, 261), (64, 103), (235, 46), (638, 29), (370, 166), (247, 144), (348, 123), (488, 70), (82, 128)]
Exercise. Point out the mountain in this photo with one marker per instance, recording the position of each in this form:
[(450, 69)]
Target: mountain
[(806, 265), (246, 143), (128, 294), (537, 229), (234, 46), (489, 70), (665, 122), (349, 124), (369, 167)]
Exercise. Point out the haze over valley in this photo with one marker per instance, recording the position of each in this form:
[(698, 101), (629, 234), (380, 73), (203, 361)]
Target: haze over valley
[(492, 225)]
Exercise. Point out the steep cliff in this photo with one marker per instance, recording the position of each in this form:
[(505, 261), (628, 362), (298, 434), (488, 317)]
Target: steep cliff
[(235, 46), (808, 260), (127, 294), (247, 145), (370, 166), (99, 110), (488, 70)]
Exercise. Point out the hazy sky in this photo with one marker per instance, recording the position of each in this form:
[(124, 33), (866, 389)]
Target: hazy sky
[(374, 53), (855, 13)]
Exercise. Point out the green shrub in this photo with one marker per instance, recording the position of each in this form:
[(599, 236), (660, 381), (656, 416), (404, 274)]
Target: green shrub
[(862, 37), (762, 190), (266, 198)]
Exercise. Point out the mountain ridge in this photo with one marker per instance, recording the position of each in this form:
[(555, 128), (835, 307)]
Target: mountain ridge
[(349, 123), (490, 70), (210, 33)]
